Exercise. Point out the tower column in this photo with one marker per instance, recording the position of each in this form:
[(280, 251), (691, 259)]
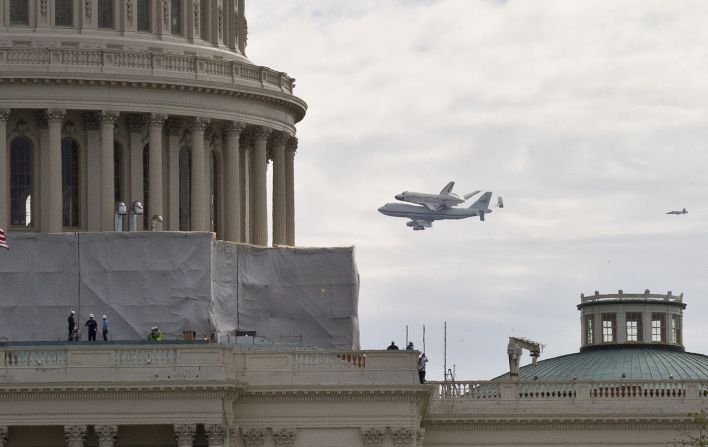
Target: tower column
[(245, 181), (173, 127), (259, 166), (199, 187), (53, 213), (290, 150), (4, 178), (155, 206), (279, 189), (107, 205), (232, 230)]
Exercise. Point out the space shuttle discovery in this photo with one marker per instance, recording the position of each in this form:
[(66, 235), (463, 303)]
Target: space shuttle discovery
[(434, 202)]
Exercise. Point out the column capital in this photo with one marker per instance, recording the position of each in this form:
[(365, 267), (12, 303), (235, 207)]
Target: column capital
[(185, 434), (55, 116), (74, 434), (4, 115), (254, 437), (402, 436), (260, 133), (419, 437), (198, 124), (157, 120), (216, 434), (92, 121), (291, 144), (372, 436), (279, 138), (136, 122), (3, 435), (173, 125), (109, 117), (284, 437), (106, 434), (234, 128)]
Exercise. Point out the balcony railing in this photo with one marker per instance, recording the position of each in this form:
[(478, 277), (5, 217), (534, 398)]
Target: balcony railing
[(67, 61)]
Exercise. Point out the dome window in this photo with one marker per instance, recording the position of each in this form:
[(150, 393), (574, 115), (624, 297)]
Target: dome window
[(19, 12), (64, 13)]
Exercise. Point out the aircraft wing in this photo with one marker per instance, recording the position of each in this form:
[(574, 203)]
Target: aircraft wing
[(448, 188)]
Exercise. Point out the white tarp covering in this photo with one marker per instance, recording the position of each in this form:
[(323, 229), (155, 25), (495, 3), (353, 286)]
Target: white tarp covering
[(179, 282)]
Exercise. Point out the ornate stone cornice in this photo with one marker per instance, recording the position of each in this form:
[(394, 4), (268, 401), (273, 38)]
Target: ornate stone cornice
[(254, 437), (284, 437), (109, 117), (184, 433), (402, 436), (157, 120), (106, 434), (372, 436), (559, 424), (216, 433)]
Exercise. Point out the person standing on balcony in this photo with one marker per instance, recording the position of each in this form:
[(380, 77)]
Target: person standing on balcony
[(104, 327), (92, 328), (410, 346), (422, 360), (392, 346), (72, 325)]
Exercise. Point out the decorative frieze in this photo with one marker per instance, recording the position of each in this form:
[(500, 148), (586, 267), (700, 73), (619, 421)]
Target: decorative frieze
[(106, 434), (75, 435), (253, 437), (372, 436), (402, 436), (284, 437)]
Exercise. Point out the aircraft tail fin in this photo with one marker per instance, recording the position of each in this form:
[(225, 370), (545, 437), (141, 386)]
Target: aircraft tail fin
[(483, 202), (448, 188)]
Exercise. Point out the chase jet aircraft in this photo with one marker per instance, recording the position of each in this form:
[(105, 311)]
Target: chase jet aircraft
[(422, 217), (434, 202), (683, 211)]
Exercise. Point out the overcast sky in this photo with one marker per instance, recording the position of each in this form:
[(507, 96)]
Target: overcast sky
[(588, 117)]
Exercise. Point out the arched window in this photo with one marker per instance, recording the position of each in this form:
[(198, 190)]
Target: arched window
[(214, 192), (146, 185), (20, 181), (185, 189), (70, 182), (118, 179)]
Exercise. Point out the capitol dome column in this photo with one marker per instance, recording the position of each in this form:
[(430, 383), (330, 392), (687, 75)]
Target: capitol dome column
[(233, 182), (108, 120), (155, 205), (259, 166), (4, 173), (199, 190), (52, 222), (279, 190), (245, 180), (290, 150)]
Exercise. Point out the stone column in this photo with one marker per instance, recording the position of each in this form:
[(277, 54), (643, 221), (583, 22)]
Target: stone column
[(173, 126), (4, 177), (216, 434), (53, 213), (92, 122), (290, 150), (279, 190), (199, 187), (185, 434), (3, 433), (107, 204), (232, 202), (136, 125), (106, 434), (74, 435), (259, 166), (155, 188), (245, 181)]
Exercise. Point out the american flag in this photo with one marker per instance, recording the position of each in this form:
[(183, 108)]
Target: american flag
[(3, 241)]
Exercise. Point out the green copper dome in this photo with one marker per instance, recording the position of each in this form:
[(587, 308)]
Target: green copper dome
[(639, 363)]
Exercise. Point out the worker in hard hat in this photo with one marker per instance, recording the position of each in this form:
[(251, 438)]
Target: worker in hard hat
[(92, 326), (104, 327), (155, 334), (72, 325)]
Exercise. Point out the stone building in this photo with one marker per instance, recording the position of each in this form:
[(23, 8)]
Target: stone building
[(106, 101)]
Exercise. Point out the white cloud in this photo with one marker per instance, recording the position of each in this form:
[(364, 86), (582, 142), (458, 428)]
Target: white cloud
[(590, 117)]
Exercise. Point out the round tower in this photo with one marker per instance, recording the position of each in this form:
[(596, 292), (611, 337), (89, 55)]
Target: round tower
[(631, 319), (151, 101)]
